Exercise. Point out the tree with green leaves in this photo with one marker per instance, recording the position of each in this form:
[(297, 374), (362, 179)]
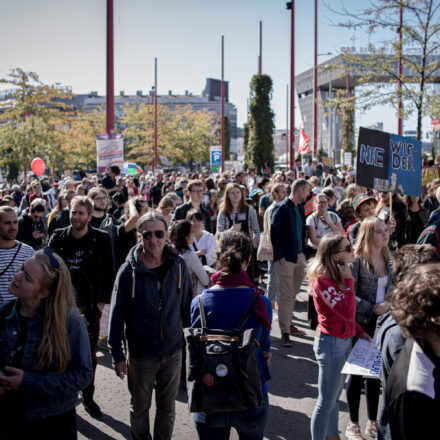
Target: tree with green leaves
[(33, 121), (183, 133), (420, 55), (261, 123)]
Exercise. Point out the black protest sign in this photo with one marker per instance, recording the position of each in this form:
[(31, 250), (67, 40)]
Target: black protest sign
[(372, 157)]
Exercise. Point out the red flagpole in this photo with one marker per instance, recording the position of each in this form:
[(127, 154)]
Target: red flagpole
[(223, 107), (110, 97), (315, 86), (155, 116), (292, 83)]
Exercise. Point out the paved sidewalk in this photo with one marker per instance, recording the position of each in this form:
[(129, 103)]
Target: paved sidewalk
[(292, 394)]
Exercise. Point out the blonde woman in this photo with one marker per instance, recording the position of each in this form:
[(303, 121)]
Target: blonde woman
[(44, 350), (373, 283)]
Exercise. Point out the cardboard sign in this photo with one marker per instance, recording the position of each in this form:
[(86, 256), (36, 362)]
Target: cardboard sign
[(328, 163), (428, 175), (347, 159), (364, 360), (110, 151), (389, 163)]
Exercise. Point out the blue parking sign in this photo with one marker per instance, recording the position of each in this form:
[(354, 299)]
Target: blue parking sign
[(215, 157)]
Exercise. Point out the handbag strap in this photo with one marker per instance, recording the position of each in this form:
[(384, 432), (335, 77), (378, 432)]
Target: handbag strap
[(202, 314), (12, 260), (248, 311)]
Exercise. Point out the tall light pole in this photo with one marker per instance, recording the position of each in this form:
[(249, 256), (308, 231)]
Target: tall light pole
[(315, 86), (260, 57), (155, 116), (399, 68), (110, 97), (223, 107), (291, 6), (287, 125), (330, 117)]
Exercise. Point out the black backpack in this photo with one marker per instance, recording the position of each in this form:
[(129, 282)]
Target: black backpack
[(222, 369)]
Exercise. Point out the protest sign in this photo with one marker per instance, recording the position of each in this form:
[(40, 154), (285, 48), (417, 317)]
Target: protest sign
[(364, 360), (110, 151), (428, 175), (347, 158), (328, 163), (389, 163)]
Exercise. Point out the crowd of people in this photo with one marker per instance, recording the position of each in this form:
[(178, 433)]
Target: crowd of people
[(147, 246)]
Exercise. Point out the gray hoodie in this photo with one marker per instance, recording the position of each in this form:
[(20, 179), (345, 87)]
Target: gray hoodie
[(150, 316)]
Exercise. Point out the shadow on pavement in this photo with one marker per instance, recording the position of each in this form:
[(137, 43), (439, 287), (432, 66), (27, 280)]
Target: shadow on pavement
[(287, 424), (116, 425), (90, 431), (105, 358)]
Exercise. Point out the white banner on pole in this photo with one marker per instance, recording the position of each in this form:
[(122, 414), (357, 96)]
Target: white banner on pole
[(109, 151), (347, 159)]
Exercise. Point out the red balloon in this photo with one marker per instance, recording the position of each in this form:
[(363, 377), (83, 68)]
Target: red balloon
[(38, 166)]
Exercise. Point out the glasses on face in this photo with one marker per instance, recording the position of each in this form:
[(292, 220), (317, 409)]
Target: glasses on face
[(197, 191), (347, 248), (48, 251), (146, 235), (100, 199)]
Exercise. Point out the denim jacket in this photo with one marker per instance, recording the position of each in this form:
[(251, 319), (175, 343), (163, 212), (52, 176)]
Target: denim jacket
[(47, 393), (365, 287)]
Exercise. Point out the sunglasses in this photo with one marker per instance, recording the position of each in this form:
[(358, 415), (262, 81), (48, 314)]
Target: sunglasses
[(348, 249), (48, 251), (146, 235)]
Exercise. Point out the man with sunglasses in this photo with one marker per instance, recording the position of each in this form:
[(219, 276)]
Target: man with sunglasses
[(195, 190), (150, 306), (88, 254)]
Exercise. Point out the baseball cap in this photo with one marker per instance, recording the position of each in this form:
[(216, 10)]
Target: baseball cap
[(361, 198)]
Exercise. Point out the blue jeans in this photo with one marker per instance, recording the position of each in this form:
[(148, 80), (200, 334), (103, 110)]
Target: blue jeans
[(272, 283), (249, 424), (331, 354)]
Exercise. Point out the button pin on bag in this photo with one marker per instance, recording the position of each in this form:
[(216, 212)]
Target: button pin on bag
[(221, 370), (208, 380)]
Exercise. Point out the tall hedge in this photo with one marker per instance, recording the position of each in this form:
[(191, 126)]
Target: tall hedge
[(261, 123)]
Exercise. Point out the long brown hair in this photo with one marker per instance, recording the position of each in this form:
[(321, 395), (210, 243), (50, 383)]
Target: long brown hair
[(365, 243), (324, 263), (226, 206), (54, 346)]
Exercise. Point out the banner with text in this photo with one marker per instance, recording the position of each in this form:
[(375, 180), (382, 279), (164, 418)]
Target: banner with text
[(110, 151), (389, 163)]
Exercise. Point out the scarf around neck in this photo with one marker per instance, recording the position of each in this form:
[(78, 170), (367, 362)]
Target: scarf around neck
[(227, 280)]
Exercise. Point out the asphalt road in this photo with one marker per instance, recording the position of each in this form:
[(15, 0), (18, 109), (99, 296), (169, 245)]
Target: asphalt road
[(292, 394)]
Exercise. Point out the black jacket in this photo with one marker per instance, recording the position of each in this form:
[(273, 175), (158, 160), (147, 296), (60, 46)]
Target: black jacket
[(182, 210), (283, 231), (61, 220), (91, 265), (413, 394), (25, 229)]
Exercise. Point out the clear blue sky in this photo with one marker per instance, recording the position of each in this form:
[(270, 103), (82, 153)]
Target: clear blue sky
[(65, 41)]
